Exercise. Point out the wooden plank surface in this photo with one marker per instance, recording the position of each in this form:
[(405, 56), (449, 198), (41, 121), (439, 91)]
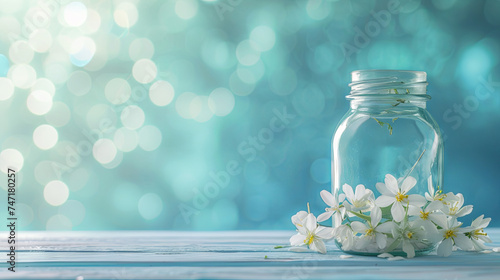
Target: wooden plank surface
[(219, 255)]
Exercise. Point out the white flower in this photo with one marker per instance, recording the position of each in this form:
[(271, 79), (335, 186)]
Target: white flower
[(345, 236), (476, 233), (454, 206), (436, 198), (452, 234), (372, 231), (428, 217), (412, 236), (398, 196), (361, 200), (335, 209), (310, 233), (299, 218)]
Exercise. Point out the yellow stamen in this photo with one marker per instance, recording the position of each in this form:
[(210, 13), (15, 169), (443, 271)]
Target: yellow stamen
[(424, 215), (400, 197), (409, 235), (449, 233), (309, 239), (480, 232), (369, 231)]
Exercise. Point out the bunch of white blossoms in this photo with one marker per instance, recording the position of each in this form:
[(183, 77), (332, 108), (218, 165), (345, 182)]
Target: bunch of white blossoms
[(394, 221)]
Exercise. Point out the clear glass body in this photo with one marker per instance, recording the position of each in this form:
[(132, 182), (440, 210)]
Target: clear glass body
[(386, 131)]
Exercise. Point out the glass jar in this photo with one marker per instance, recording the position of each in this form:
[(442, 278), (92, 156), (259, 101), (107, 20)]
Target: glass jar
[(387, 152)]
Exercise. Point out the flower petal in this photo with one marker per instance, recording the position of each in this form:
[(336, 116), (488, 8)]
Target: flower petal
[(466, 210), (311, 223), (360, 192), (328, 198), (359, 227), (463, 242), (408, 184), (391, 184), (325, 216), (318, 246), (439, 219), (376, 216), (297, 239), (413, 210), (298, 249), (348, 192), (417, 200), (337, 219), (299, 217), (408, 249), (386, 227), (397, 211), (434, 206), (381, 240), (383, 189), (444, 249), (384, 200), (324, 232)]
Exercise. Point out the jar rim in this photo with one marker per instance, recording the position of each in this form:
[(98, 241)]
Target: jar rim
[(382, 81)]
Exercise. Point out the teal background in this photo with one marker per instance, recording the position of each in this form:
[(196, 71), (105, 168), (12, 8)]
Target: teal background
[(235, 133)]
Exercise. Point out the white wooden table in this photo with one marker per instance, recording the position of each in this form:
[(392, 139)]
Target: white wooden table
[(219, 255)]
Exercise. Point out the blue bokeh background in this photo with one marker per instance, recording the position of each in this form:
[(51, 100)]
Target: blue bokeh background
[(217, 115)]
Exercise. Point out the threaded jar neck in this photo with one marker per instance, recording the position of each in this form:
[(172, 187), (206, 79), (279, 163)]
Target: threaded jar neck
[(388, 82), (388, 88)]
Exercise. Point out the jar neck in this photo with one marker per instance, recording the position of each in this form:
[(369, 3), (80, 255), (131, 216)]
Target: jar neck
[(388, 89), (388, 102)]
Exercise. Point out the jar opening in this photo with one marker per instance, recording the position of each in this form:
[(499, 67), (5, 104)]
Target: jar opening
[(388, 82)]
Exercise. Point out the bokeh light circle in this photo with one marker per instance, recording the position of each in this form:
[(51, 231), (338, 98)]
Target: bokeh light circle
[(40, 40), (246, 54), (82, 51), (58, 222), (39, 102), (150, 206), (183, 103), (238, 86), (199, 109), (161, 93), (104, 151), (11, 158), (92, 23), (126, 140), (75, 14), (74, 210), (262, 38), (186, 9), (132, 117), (6, 88), (125, 15), (56, 193), (117, 91), (21, 52), (144, 71), (45, 136), (44, 84), (22, 75), (221, 101), (149, 138)]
